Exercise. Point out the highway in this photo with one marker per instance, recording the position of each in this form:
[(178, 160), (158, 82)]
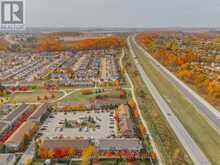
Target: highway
[(202, 106), (188, 143), (139, 110)]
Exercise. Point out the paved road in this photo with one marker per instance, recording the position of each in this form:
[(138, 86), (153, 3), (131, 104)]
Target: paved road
[(190, 146), (201, 105)]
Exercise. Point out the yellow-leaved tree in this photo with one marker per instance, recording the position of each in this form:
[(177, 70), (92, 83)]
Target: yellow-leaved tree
[(87, 154)]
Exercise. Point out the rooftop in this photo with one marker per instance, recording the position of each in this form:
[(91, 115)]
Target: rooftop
[(16, 112), (77, 144), (120, 144)]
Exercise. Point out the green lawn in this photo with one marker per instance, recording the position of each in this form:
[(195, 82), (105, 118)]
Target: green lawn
[(204, 135), (78, 97), (30, 97), (37, 163)]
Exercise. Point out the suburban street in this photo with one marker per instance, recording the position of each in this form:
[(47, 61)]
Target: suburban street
[(190, 146), (207, 110)]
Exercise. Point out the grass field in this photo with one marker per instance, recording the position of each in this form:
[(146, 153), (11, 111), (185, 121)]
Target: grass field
[(170, 149), (31, 97), (204, 135), (78, 97)]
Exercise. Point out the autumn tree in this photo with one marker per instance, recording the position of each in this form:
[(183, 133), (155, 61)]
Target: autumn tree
[(28, 162), (87, 154), (79, 107), (213, 89), (153, 155), (142, 129), (66, 108), (99, 43), (185, 74), (132, 104), (135, 113), (49, 44), (86, 91), (43, 152)]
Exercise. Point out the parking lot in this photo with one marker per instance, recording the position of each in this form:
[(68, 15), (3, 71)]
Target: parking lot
[(104, 125)]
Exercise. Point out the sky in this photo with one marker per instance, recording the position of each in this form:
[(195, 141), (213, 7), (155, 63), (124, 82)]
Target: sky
[(123, 13)]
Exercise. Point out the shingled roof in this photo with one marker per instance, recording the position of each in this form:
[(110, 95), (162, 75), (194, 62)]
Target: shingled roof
[(77, 144)]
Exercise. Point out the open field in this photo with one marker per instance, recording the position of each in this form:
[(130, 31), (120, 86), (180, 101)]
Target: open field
[(172, 152), (200, 130), (79, 97), (31, 97)]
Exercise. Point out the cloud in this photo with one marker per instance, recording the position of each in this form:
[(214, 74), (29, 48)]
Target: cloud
[(123, 13)]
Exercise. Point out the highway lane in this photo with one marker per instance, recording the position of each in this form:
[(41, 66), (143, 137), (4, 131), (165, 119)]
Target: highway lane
[(207, 110), (190, 146)]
